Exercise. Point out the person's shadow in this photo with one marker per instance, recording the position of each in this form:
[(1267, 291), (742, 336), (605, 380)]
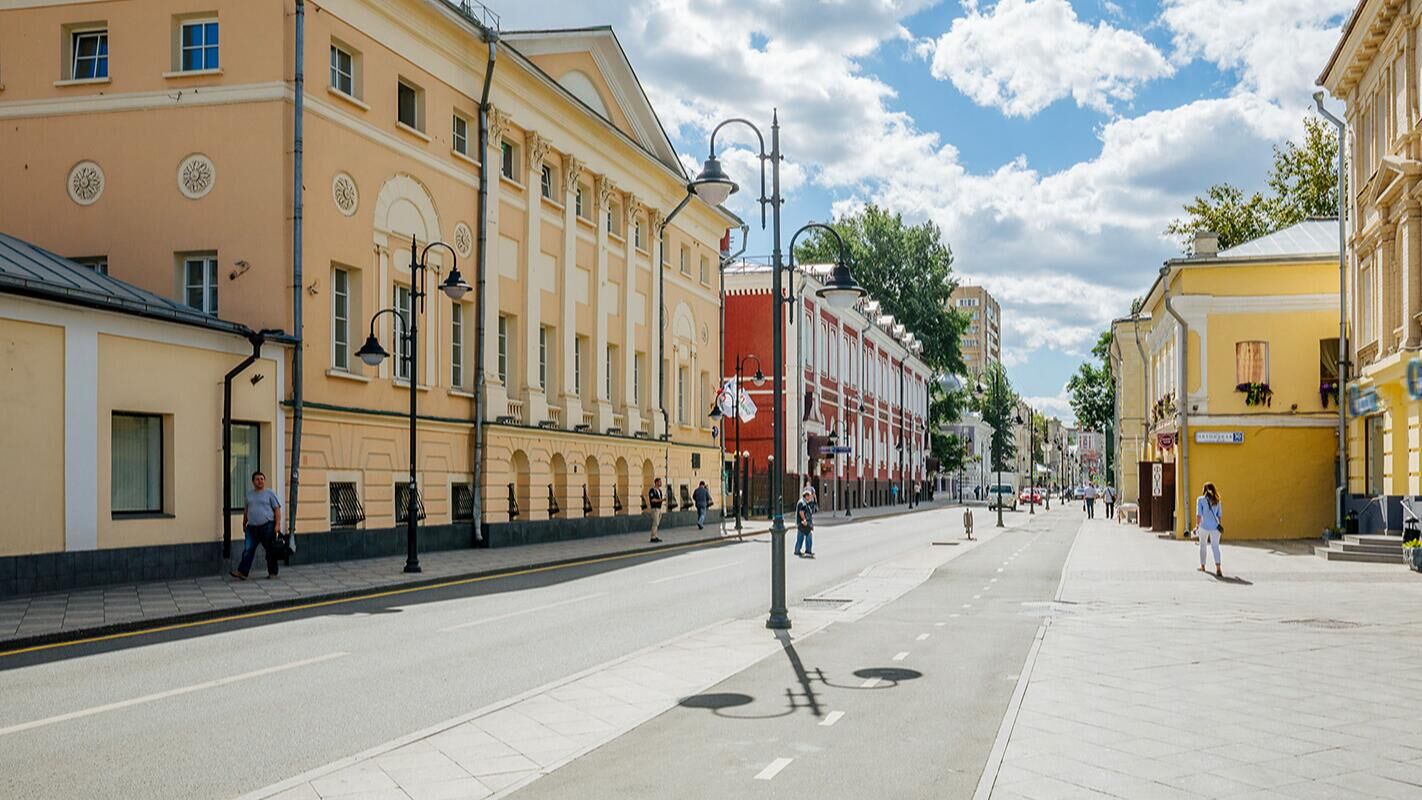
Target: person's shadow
[(1232, 579)]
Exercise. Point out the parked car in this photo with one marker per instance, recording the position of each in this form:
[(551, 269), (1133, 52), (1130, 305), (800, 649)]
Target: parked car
[(1031, 496), (1002, 495), (1078, 493)]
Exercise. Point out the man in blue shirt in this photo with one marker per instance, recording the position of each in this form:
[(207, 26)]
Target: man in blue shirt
[(261, 522)]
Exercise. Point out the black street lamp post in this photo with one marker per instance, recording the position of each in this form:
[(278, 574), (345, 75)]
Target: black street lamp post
[(996, 494), (713, 186), (455, 287), (1031, 458)]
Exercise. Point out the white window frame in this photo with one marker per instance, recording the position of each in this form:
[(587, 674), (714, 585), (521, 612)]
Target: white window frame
[(418, 123), (402, 301), (341, 342), (543, 357), (456, 345), (545, 181), (351, 74), (101, 34), (184, 48), (207, 281), (459, 133), (637, 379), (578, 365), (508, 160), (503, 349)]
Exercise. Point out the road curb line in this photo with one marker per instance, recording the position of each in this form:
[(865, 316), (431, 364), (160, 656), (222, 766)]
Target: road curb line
[(1014, 706), (120, 630)]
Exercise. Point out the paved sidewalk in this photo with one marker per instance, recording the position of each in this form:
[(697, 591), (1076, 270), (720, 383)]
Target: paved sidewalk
[(1292, 678), (59, 616), (67, 615)]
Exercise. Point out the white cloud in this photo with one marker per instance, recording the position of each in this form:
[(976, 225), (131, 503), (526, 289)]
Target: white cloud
[(1064, 251), (1278, 47), (1023, 55), (1058, 405)]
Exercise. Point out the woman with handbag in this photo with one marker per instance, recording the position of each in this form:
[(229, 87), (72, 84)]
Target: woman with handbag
[(1208, 525)]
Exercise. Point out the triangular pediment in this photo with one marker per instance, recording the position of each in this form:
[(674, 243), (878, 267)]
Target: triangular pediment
[(591, 66)]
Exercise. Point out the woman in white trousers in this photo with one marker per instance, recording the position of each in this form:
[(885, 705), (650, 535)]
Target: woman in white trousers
[(1208, 525)]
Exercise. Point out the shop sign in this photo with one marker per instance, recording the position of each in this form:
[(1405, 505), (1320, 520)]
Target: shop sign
[(1165, 441), (1219, 437), (1157, 480), (1414, 379), (1362, 402)]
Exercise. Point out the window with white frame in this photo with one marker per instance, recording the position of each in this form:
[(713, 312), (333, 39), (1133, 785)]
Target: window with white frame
[(705, 270), (89, 54), (685, 261), (681, 381), (410, 105), (579, 343), (608, 383), (543, 336), (99, 264), (1366, 321), (398, 332), (503, 349), (460, 134), (345, 70), (200, 282), (580, 206), (637, 360), (341, 318), (545, 181), (1251, 362), (456, 346), (136, 461), (197, 45), (637, 233), (508, 160), (614, 219)]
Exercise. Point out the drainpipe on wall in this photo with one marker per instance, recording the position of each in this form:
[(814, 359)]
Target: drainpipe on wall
[(662, 338), (224, 512), (1145, 385), (297, 209), (1342, 477), (1183, 439), (477, 538)]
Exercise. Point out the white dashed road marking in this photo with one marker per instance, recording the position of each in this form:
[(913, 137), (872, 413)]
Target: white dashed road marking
[(521, 612), (901, 656), (773, 769), (871, 683), (921, 637), (831, 718)]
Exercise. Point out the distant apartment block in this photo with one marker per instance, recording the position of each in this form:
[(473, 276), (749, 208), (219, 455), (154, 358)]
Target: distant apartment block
[(982, 341)]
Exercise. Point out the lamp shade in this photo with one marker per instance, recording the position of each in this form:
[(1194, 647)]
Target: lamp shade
[(841, 290), (371, 352), (454, 286), (759, 378), (713, 185), (715, 411)]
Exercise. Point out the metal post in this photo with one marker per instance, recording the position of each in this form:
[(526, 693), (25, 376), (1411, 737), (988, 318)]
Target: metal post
[(779, 618), (417, 281), (1342, 478), (740, 488)]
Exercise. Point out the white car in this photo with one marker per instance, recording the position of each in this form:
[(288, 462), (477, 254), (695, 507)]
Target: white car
[(1002, 494)]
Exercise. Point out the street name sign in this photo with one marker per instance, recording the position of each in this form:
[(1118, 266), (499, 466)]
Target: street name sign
[(1219, 437)]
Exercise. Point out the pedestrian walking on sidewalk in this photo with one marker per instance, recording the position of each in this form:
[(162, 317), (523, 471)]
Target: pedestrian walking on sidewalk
[(1090, 500), (1209, 525), (655, 498), (805, 524), (1110, 497), (261, 522), (702, 498), (968, 522)]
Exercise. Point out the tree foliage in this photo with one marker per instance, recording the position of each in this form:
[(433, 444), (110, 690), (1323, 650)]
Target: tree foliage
[(907, 268), (951, 451), (1093, 390), (1302, 183), (998, 406)]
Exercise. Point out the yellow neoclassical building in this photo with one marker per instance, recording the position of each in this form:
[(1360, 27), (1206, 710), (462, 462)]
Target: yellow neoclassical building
[(1374, 71), (1127, 361), (157, 141), (1241, 349)]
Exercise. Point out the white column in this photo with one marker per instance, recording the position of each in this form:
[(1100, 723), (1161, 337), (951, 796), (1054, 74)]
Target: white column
[(497, 394), (606, 190), (656, 396), (81, 436), (629, 328), (535, 400), (572, 403)]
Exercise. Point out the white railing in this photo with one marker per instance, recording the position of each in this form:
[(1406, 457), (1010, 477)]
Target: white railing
[(516, 411), (644, 427), (555, 415)]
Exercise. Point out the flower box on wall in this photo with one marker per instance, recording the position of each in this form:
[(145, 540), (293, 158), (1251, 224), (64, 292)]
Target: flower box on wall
[(1256, 394)]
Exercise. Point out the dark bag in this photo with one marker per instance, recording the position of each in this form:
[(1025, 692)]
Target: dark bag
[(654, 496), (281, 546)]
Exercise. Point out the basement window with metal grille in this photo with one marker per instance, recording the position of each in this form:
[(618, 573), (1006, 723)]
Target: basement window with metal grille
[(462, 501), (346, 510), (402, 503)]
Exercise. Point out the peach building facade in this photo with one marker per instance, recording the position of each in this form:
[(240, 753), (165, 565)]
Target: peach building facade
[(156, 137)]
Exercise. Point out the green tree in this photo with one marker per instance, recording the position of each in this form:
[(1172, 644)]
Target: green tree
[(908, 269), (1093, 390), (951, 452), (1302, 184), (998, 406)]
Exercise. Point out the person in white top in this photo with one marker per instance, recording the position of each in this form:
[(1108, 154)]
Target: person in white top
[(1209, 515)]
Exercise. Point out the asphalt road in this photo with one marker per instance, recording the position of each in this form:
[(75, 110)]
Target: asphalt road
[(217, 710), (903, 703)]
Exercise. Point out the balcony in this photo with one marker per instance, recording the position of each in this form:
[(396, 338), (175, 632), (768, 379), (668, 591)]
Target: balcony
[(589, 422), (516, 413), (555, 417)]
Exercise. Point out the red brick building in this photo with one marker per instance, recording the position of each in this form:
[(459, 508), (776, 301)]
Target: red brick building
[(852, 380)]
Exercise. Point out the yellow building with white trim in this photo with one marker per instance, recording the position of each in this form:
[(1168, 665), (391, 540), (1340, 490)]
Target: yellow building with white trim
[(140, 138), (1249, 408)]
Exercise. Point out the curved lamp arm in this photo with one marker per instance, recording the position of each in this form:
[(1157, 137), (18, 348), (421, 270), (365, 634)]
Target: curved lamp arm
[(395, 312), (843, 251), (762, 155)]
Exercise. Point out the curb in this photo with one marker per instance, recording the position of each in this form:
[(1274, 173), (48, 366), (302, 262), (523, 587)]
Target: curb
[(23, 644)]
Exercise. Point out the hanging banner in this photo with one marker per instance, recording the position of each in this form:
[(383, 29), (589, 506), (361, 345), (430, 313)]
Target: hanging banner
[(1165, 441), (726, 401), (1362, 402), (1414, 379)]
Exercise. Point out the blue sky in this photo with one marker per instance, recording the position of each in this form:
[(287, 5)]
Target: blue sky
[(1052, 140)]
